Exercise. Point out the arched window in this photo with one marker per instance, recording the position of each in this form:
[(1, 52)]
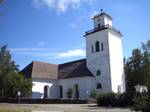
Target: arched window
[(102, 47), (98, 72), (92, 49), (99, 25), (97, 46), (99, 86), (46, 91), (76, 91), (61, 91)]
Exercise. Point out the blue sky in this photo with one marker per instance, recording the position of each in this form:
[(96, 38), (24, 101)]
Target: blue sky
[(52, 30)]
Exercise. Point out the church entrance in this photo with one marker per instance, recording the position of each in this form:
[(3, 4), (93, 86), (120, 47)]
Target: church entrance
[(76, 91), (46, 91), (61, 91)]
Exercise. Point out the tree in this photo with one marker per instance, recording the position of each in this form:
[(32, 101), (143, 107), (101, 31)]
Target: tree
[(10, 79), (133, 70), (137, 70), (146, 64), (70, 92), (1, 1), (137, 67)]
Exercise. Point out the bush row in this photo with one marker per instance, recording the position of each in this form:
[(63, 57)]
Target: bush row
[(142, 102), (45, 101), (137, 101), (112, 99)]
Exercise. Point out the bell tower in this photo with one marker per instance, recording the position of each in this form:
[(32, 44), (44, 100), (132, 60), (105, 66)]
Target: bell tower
[(104, 55), (102, 19)]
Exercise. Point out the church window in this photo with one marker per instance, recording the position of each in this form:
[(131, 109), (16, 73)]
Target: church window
[(92, 49), (61, 91), (99, 86), (99, 25), (102, 47), (98, 20), (46, 91), (76, 91), (97, 46), (98, 72)]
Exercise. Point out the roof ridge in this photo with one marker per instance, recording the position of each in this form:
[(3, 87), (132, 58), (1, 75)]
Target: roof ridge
[(71, 62), (44, 62)]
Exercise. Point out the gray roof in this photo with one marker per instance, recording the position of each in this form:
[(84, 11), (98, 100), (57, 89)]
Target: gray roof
[(73, 69), (42, 70)]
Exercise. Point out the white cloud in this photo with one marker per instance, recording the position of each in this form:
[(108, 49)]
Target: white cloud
[(41, 44), (47, 53), (27, 49), (61, 5), (72, 25), (71, 53), (44, 54)]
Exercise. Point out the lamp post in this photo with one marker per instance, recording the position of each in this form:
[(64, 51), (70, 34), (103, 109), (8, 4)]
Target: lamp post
[(18, 93)]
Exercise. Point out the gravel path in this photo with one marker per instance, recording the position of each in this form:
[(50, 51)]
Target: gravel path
[(5, 107)]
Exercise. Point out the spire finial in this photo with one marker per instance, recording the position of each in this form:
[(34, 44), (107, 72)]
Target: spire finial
[(101, 11)]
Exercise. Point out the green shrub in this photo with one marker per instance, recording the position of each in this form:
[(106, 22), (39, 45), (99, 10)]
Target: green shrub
[(93, 94), (139, 102), (69, 92), (117, 100), (125, 99), (142, 103), (107, 99)]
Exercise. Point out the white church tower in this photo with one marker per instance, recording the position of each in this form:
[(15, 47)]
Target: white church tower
[(104, 55)]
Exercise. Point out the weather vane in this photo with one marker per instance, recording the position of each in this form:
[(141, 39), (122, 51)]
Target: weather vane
[(101, 11)]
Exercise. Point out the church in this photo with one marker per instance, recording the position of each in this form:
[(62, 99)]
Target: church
[(102, 70)]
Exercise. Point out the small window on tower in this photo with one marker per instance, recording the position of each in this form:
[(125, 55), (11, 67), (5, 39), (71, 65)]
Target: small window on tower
[(102, 47), (97, 46), (98, 20), (98, 72), (99, 25), (92, 49), (99, 86)]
